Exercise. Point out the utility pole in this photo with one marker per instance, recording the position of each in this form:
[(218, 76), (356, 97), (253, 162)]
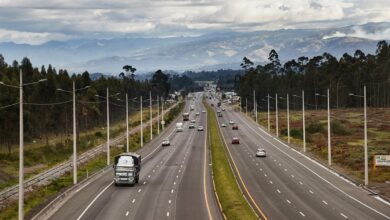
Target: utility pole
[(108, 128), (127, 123), (142, 127), (276, 115), (151, 115), (288, 118), (162, 113), (254, 105), (365, 139), (74, 137)]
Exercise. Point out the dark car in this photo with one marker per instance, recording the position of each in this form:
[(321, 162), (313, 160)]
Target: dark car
[(235, 140), (235, 127)]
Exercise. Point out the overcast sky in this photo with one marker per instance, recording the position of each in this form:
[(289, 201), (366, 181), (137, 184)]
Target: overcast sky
[(38, 21)]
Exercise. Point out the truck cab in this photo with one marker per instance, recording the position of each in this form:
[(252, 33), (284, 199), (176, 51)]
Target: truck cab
[(127, 167)]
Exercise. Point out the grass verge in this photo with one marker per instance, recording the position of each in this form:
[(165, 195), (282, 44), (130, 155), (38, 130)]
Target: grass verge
[(233, 203)]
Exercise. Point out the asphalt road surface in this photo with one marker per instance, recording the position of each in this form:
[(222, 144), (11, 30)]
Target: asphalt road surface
[(287, 184), (174, 182)]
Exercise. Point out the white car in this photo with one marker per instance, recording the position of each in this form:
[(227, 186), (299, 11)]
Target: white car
[(193, 121), (191, 126), (223, 109), (231, 122), (197, 114), (261, 153), (166, 142), (200, 128), (203, 111), (223, 125)]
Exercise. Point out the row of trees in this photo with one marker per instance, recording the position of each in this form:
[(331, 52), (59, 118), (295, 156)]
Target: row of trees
[(342, 76), (48, 111)]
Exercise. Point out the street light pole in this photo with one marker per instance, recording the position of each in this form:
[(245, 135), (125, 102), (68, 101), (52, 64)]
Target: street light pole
[(254, 105), (329, 142), (276, 115), (74, 137), (288, 118), (142, 128), (150, 115), (162, 113), (158, 115), (303, 121), (127, 123), (21, 149), (365, 139), (269, 125), (246, 106), (108, 127)]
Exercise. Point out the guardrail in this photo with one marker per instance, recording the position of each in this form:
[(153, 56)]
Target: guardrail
[(45, 177)]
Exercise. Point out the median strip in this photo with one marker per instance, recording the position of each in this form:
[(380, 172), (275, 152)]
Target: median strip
[(234, 205)]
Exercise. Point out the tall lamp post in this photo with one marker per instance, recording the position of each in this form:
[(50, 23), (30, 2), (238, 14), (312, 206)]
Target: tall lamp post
[(150, 115), (21, 141), (303, 119), (158, 115), (108, 122), (73, 92), (329, 142), (288, 117), (268, 118), (365, 135)]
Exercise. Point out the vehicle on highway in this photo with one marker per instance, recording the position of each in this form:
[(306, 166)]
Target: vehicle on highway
[(235, 140), (223, 125), (235, 127), (231, 122), (200, 128), (166, 142), (197, 114), (179, 126), (193, 121), (186, 116), (219, 104), (127, 167), (223, 109), (203, 111), (191, 126), (261, 152), (192, 107), (220, 114), (218, 111), (212, 105)]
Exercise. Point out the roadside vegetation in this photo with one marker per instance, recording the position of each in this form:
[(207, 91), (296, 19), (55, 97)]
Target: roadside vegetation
[(233, 203), (40, 196)]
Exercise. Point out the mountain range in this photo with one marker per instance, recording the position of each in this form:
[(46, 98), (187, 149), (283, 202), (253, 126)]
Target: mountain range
[(207, 52)]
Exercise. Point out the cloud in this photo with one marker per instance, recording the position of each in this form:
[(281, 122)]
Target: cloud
[(30, 37), (112, 18), (360, 33)]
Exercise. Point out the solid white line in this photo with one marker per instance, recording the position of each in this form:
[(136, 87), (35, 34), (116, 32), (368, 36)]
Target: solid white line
[(325, 180), (343, 215), (127, 213), (302, 214), (324, 202), (90, 204)]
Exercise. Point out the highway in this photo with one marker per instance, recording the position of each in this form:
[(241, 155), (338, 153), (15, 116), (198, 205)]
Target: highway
[(175, 182), (287, 184)]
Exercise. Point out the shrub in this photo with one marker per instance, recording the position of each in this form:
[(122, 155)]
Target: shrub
[(296, 133), (98, 134), (315, 128), (337, 128)]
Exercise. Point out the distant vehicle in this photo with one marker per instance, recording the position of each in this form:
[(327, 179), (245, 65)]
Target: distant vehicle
[(261, 153), (219, 104), (235, 140), (200, 128), (203, 111), (193, 121), (220, 114), (218, 111), (179, 126), (223, 109), (235, 127), (191, 126), (166, 142), (127, 167), (192, 107), (186, 116), (231, 122), (197, 114), (223, 125)]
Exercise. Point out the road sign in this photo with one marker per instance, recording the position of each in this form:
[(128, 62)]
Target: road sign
[(163, 122), (382, 160)]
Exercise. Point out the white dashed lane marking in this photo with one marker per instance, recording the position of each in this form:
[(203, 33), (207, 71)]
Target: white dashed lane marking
[(302, 214), (288, 201), (127, 213), (343, 215), (324, 202)]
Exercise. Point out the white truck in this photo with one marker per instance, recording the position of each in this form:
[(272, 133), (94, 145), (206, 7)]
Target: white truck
[(179, 126)]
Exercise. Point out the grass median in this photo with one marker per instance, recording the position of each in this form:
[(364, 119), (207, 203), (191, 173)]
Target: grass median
[(233, 203)]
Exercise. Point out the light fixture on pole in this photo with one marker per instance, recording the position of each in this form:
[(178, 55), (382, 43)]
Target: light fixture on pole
[(21, 141), (365, 135), (73, 92), (329, 141)]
